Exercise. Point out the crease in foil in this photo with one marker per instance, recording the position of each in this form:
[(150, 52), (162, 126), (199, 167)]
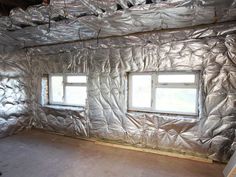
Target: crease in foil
[(64, 21), (210, 49)]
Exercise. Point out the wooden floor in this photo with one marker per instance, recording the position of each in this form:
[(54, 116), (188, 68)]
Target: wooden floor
[(39, 154)]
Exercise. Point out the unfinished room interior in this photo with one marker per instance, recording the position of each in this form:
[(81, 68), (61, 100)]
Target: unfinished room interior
[(117, 88)]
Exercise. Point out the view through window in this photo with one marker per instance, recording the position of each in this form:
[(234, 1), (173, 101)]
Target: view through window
[(68, 89), (164, 92)]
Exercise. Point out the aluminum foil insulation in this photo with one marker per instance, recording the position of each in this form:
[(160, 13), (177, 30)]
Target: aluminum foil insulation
[(107, 61), (15, 97), (82, 20)]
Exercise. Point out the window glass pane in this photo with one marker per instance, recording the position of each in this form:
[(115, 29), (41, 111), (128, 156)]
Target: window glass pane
[(177, 100), (76, 79), (57, 88), (141, 91), (176, 78), (76, 95)]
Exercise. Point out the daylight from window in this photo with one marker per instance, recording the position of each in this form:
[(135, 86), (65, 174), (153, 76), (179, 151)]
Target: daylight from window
[(169, 92), (68, 90), (141, 90)]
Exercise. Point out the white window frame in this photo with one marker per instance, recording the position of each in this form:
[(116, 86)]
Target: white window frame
[(155, 84), (65, 83)]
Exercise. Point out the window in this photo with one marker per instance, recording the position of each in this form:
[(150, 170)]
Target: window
[(141, 90), (164, 92), (68, 89)]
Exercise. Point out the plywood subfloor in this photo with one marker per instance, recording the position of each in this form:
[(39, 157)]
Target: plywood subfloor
[(38, 154)]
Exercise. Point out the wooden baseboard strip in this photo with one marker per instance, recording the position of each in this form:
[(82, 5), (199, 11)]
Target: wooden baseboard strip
[(154, 151)]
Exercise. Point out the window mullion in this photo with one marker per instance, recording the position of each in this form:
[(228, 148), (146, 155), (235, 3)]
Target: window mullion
[(130, 102), (64, 89), (50, 89), (153, 100)]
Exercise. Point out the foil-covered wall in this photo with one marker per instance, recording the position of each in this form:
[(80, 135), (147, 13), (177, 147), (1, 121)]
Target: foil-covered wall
[(107, 62), (15, 95), (63, 120), (20, 94)]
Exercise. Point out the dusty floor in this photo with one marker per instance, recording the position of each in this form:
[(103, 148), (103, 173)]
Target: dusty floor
[(38, 154)]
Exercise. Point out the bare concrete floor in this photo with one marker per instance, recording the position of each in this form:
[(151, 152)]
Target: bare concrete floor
[(39, 154)]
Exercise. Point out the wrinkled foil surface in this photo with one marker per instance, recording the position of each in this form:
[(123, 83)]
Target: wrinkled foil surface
[(211, 49), (73, 20)]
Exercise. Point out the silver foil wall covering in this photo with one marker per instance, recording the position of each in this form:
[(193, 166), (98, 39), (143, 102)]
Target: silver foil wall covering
[(107, 62), (84, 42), (15, 109)]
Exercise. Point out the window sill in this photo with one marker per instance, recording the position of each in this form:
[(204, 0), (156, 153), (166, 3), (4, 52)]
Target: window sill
[(62, 107), (169, 115), (161, 112)]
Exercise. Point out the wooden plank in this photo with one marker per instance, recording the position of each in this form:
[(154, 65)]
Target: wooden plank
[(233, 173), (154, 151), (230, 169)]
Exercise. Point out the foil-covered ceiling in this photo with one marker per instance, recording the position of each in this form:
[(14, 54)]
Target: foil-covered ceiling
[(64, 21)]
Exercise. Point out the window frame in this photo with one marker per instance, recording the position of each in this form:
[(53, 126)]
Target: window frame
[(155, 84), (65, 83)]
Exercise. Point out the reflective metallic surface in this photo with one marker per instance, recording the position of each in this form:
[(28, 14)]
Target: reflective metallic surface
[(14, 97), (211, 49), (80, 20), (64, 121)]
